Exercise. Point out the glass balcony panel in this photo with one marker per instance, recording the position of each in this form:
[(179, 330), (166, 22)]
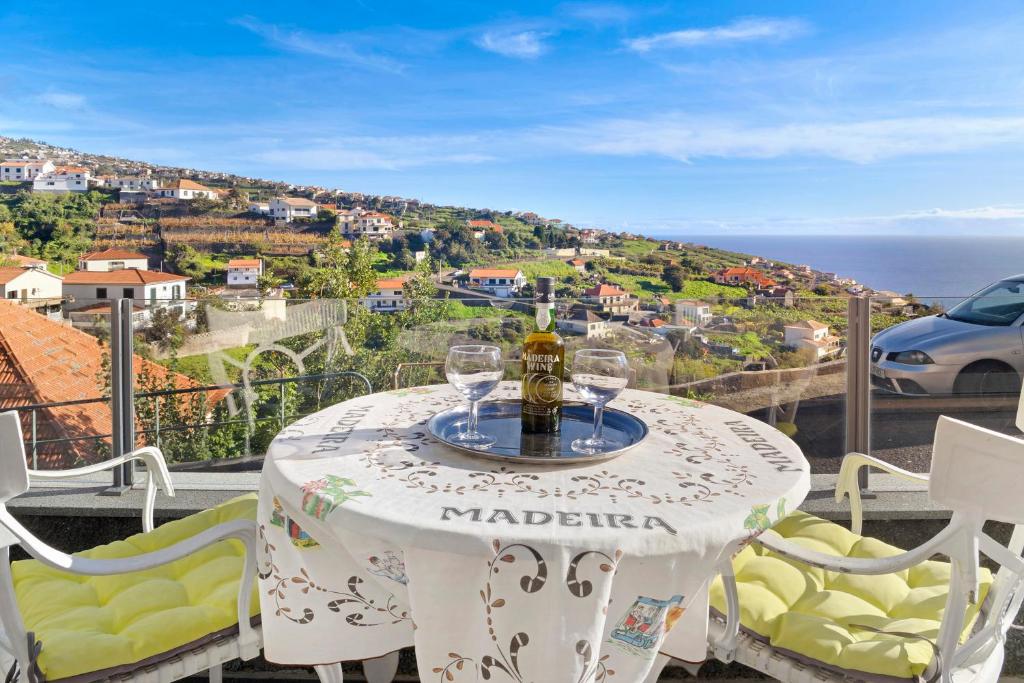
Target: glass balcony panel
[(931, 356)]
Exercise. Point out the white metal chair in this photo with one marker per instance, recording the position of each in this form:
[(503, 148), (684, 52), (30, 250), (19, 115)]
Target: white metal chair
[(975, 473), (138, 559)]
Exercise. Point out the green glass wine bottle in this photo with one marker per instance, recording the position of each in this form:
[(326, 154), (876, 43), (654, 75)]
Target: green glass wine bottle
[(543, 360)]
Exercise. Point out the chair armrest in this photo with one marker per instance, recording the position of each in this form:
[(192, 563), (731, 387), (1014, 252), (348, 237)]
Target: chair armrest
[(848, 485), (156, 474), (243, 530), (944, 542)]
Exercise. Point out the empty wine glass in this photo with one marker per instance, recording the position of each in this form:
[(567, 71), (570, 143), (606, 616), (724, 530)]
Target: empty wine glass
[(599, 375), (474, 370)]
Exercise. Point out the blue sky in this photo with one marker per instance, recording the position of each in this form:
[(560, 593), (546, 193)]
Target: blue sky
[(666, 118)]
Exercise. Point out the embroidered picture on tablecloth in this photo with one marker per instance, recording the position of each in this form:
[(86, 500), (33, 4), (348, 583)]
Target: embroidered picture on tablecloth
[(389, 566), (321, 496), (299, 538), (759, 520), (639, 631)]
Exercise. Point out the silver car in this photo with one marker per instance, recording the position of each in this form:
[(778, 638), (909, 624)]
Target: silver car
[(976, 347)]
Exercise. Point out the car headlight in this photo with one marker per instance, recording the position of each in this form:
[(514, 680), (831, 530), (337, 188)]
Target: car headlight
[(912, 358)]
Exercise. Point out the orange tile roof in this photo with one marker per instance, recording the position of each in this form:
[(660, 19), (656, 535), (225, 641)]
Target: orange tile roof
[(112, 255), (71, 169), (186, 184), (808, 325), (392, 283), (483, 224), (128, 276), (43, 361), (244, 263), (750, 274), (296, 201), (493, 272), (605, 290), (8, 273), (22, 260)]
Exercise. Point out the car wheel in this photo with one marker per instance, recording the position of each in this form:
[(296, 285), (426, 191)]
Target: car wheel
[(987, 377)]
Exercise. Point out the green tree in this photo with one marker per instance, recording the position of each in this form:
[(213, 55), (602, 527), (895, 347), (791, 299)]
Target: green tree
[(675, 276)]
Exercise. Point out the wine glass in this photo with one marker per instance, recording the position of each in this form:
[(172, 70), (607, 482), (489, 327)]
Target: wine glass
[(474, 370), (599, 375)]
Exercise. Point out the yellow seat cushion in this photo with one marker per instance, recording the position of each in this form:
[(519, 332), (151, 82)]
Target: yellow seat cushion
[(88, 624), (816, 613)]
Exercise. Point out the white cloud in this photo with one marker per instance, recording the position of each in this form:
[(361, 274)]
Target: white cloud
[(741, 31), (686, 138), (376, 153), (513, 43), (62, 100), (340, 47)]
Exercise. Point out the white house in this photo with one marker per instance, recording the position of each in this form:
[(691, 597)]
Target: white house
[(112, 259), (244, 272), (87, 291), (610, 298), (585, 322), (372, 224), (183, 189), (389, 295), (129, 183), (697, 313), (262, 208), (289, 208), (812, 335), (504, 282), (23, 170), (63, 180), (31, 286)]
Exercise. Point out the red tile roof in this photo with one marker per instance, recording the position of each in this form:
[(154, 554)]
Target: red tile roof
[(605, 290), (186, 184), (22, 260), (392, 283), (112, 255), (296, 201), (484, 224), (244, 263), (43, 361), (8, 273), (493, 272), (128, 276), (748, 275)]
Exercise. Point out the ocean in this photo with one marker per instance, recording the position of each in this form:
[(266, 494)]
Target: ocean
[(928, 267)]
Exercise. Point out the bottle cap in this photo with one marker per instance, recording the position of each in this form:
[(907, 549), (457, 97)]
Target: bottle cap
[(545, 290)]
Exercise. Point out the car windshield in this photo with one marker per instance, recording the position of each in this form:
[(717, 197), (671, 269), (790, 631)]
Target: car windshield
[(999, 304)]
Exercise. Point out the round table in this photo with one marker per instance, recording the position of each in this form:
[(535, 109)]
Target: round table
[(377, 537)]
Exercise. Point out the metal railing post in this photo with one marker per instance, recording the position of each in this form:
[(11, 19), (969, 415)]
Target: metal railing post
[(281, 394), (858, 380), (35, 442), (122, 391), (156, 418)]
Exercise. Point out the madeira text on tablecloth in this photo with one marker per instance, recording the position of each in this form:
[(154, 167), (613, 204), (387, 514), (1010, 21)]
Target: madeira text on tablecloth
[(341, 430), (600, 520), (762, 447)]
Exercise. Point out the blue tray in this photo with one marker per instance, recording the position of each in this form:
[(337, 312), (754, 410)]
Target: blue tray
[(501, 420)]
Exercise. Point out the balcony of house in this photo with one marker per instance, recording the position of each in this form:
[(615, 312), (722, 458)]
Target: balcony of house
[(253, 394)]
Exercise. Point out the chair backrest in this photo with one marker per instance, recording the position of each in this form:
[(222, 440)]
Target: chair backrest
[(13, 467), (977, 471)]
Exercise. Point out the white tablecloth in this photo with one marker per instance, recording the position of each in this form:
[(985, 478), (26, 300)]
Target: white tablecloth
[(376, 537)]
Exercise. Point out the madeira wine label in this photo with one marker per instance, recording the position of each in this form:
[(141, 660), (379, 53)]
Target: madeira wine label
[(543, 361)]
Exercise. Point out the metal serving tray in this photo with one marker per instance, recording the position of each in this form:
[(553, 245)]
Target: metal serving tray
[(501, 420)]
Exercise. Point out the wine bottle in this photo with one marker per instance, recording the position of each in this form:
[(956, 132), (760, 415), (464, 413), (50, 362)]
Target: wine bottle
[(543, 360)]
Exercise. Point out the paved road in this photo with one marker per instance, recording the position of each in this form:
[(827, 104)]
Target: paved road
[(901, 428)]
